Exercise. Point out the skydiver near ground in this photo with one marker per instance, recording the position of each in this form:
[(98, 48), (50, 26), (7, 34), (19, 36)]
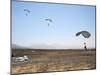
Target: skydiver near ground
[(85, 34), (85, 46)]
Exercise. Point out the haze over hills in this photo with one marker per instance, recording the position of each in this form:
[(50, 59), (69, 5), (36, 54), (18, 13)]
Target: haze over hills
[(47, 46), (40, 46), (15, 46), (43, 46), (36, 46)]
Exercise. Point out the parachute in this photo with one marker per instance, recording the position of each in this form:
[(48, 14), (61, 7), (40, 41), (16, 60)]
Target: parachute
[(85, 34), (48, 21), (27, 11)]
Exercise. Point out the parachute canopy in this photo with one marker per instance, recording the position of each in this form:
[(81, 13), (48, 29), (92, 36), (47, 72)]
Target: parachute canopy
[(85, 34), (50, 20), (27, 11)]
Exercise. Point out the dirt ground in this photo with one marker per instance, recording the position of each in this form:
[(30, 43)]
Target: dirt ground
[(53, 60)]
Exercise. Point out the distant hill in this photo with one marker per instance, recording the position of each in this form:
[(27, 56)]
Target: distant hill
[(14, 46), (42, 46), (34, 46)]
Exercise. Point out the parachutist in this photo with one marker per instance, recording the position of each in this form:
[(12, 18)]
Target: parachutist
[(26, 14), (13, 55), (48, 25), (85, 34), (27, 11), (85, 46), (48, 20)]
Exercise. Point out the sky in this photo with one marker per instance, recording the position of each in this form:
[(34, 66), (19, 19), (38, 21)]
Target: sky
[(32, 30)]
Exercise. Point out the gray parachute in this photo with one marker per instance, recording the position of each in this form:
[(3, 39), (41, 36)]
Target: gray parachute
[(48, 20), (85, 34), (27, 11)]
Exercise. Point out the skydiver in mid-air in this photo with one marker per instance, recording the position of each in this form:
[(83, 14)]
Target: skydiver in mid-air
[(48, 20), (26, 14), (48, 24), (27, 11)]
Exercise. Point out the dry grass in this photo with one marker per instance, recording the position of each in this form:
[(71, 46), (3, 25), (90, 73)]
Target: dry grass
[(55, 60)]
